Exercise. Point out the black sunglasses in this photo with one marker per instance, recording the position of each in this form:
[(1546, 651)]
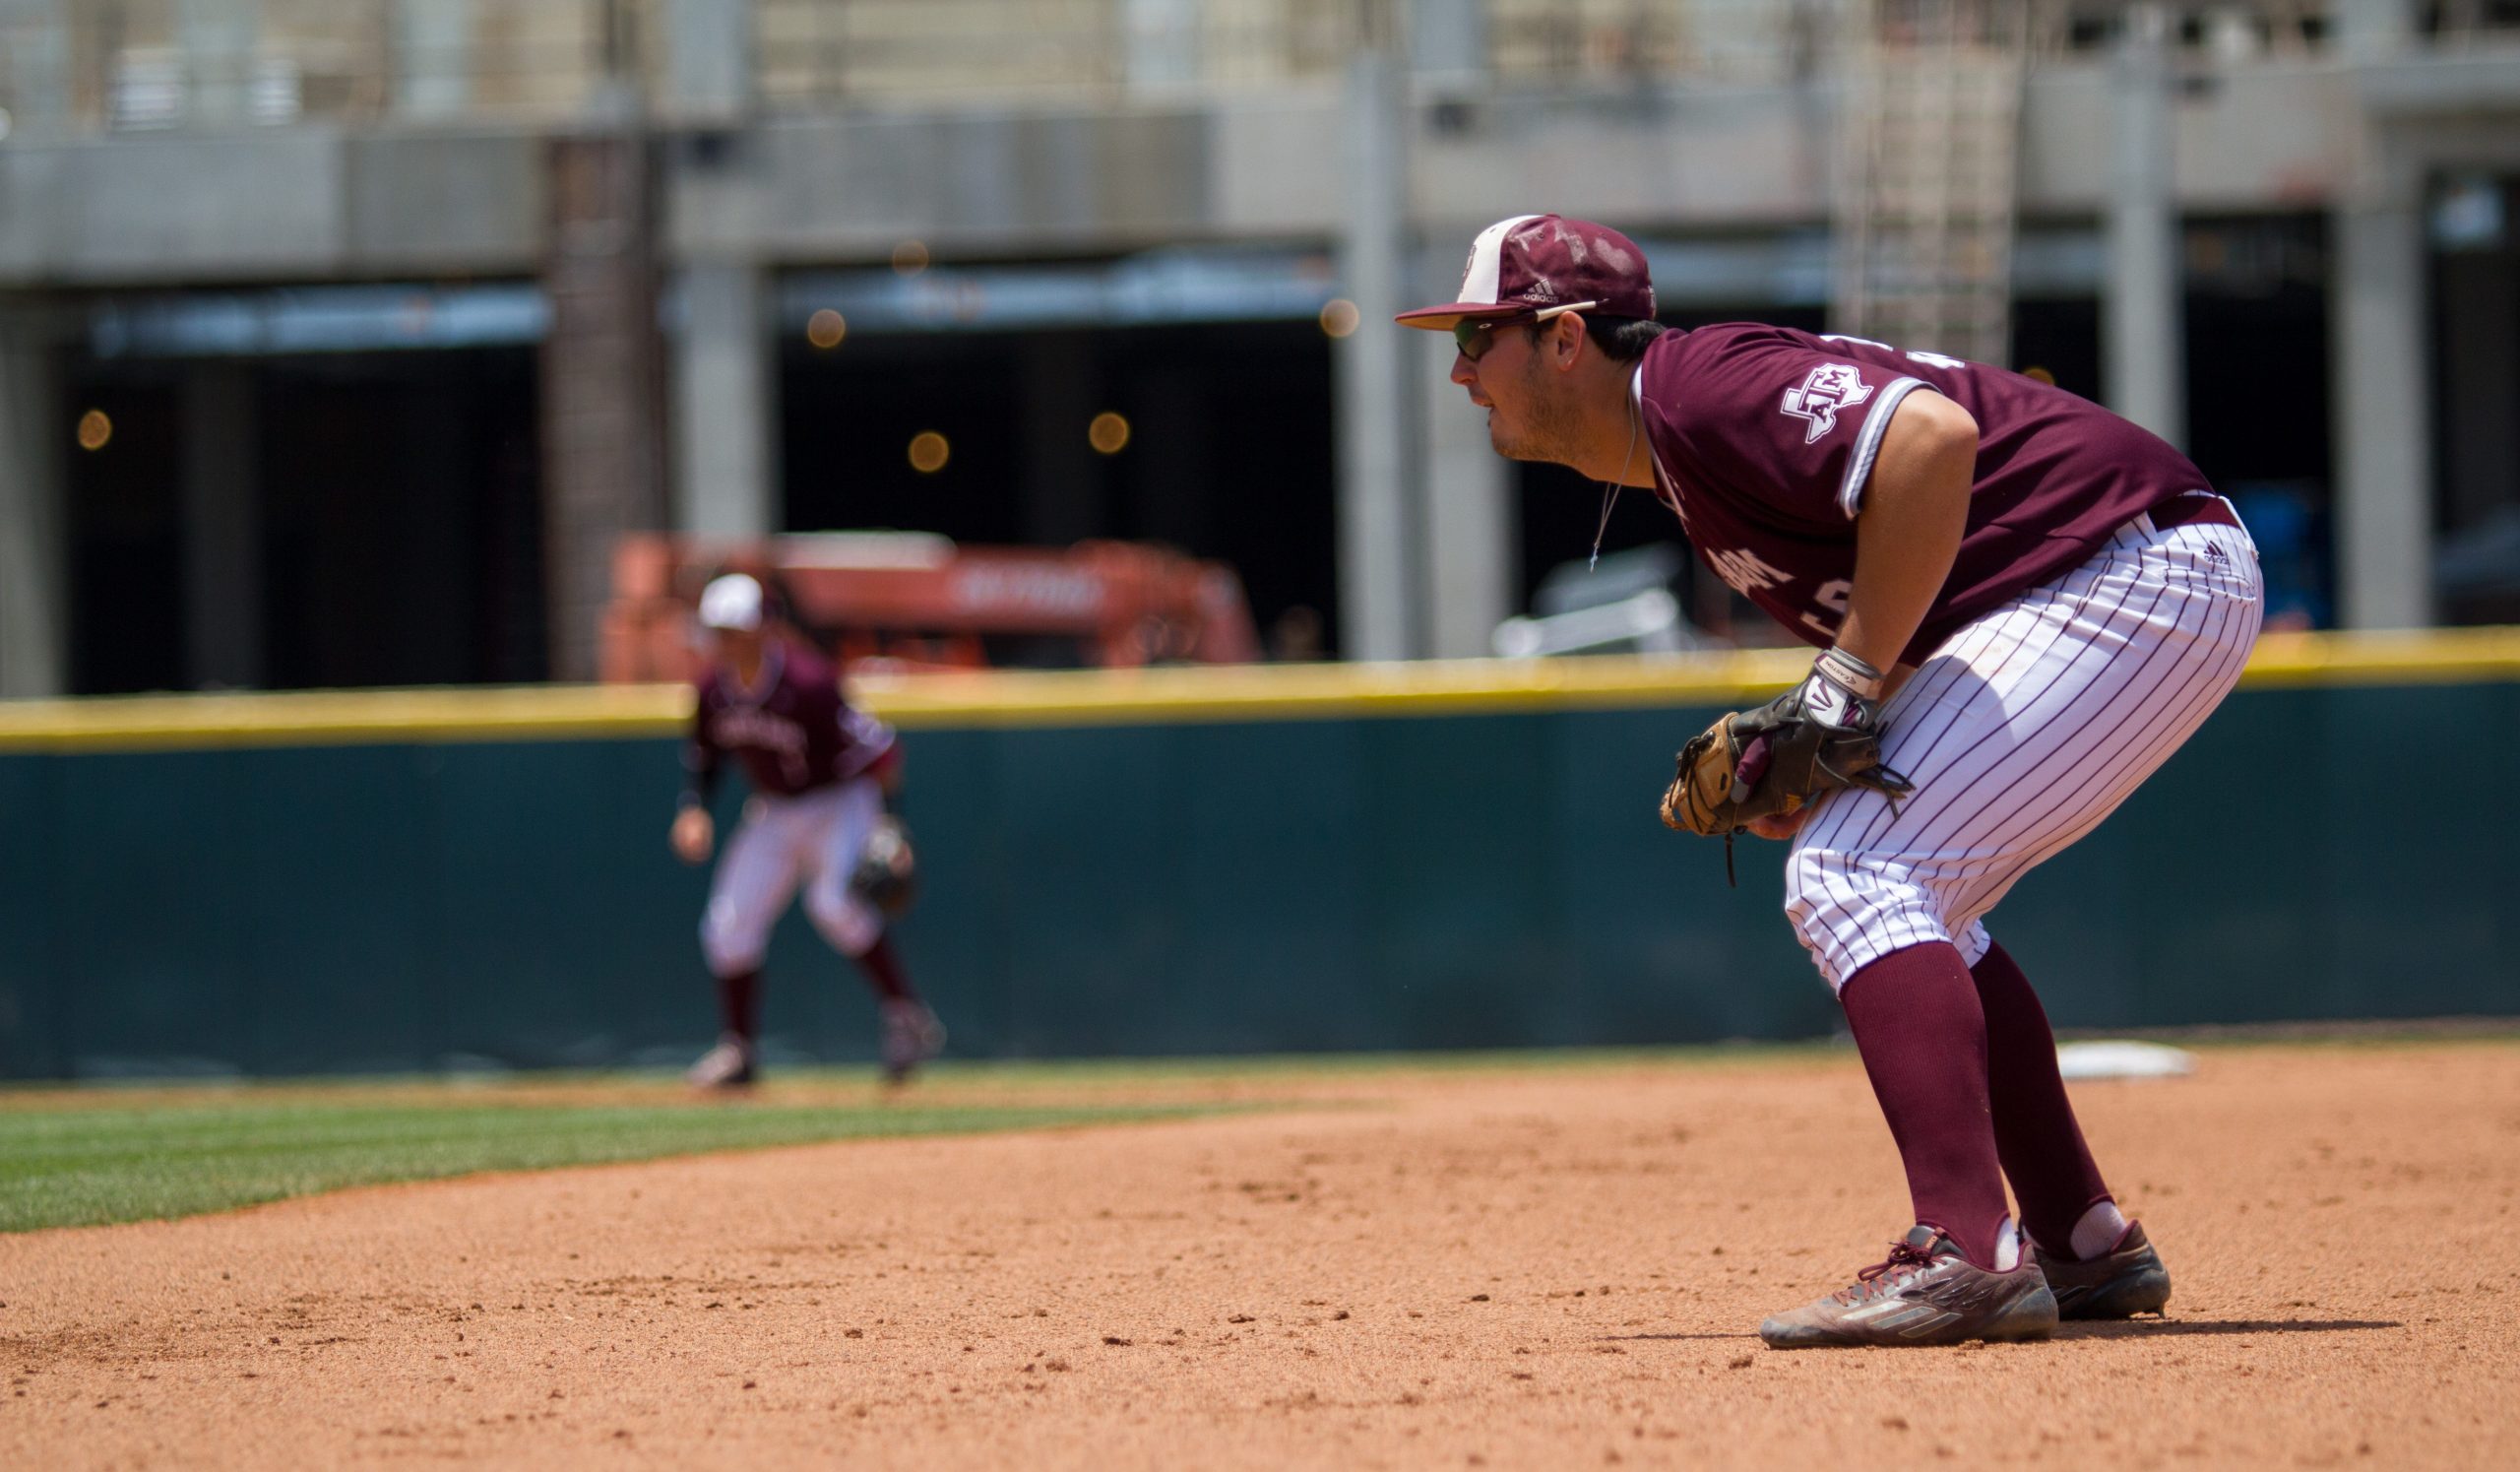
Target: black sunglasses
[(1475, 336)]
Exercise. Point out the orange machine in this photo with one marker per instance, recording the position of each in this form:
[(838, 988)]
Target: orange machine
[(911, 600)]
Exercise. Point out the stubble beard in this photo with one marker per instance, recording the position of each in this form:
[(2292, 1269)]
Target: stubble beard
[(1548, 432)]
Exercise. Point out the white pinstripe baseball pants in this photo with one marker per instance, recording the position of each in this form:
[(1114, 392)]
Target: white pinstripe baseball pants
[(2021, 732)]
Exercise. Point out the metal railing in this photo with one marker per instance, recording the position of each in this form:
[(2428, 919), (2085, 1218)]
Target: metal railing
[(135, 65), (142, 65), (138, 65)]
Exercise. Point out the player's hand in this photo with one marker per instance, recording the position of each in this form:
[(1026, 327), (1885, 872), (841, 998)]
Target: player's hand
[(1753, 765), (1754, 761), (1779, 826), (695, 833)]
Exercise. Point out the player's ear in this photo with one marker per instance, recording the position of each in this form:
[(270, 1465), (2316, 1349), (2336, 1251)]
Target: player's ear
[(1566, 339)]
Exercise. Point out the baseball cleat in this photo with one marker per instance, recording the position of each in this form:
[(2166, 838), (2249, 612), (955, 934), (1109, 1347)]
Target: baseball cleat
[(2126, 1280), (911, 1036), (1927, 1292), (729, 1066)]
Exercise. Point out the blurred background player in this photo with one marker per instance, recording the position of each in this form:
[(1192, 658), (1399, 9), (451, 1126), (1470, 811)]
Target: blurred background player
[(821, 772)]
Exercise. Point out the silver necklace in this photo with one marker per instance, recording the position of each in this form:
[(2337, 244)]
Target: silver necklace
[(1611, 488)]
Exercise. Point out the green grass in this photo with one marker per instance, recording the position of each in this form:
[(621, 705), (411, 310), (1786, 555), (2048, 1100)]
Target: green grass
[(79, 1166), (85, 1155), (90, 1156)]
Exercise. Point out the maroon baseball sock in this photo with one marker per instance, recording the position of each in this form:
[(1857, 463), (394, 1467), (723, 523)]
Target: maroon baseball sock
[(1917, 1022), (739, 1004), (883, 967), (2040, 1145)]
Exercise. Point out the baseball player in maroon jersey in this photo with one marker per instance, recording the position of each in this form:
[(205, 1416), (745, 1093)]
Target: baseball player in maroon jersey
[(2026, 602), (821, 771)]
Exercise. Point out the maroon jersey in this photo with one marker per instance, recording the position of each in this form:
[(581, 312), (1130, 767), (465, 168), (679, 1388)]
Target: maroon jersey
[(792, 732), (1763, 441)]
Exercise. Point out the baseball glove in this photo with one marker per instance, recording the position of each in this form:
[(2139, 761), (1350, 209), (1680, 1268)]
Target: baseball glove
[(1784, 756), (887, 872)]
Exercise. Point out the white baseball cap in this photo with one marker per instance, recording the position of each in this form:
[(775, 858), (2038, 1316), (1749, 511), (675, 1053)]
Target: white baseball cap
[(733, 602)]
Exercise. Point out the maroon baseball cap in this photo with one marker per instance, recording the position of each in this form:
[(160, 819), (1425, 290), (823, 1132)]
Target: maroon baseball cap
[(1541, 265)]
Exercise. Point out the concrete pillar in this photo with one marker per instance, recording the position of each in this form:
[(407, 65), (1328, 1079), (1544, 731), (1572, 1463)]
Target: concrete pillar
[(2384, 404), (1062, 485), (2143, 349), (2367, 29), (602, 399), (1473, 546), (1378, 526), (1448, 38), (218, 39), (726, 403), (434, 57), (221, 490), (34, 68), (34, 603), (1162, 40), (709, 61)]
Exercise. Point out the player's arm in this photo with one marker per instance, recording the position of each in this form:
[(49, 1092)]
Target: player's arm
[(1915, 510), (1906, 534), (887, 772), (695, 832)]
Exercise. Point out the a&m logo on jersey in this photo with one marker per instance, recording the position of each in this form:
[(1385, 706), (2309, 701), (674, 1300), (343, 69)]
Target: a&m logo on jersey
[(1822, 392), (1744, 570)]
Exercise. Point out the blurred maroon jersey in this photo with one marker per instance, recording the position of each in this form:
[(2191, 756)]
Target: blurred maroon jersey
[(793, 732)]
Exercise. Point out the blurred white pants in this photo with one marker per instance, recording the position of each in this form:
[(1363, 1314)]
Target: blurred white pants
[(812, 839)]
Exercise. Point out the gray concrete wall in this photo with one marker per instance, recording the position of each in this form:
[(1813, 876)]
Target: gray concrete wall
[(2355, 134), (802, 189), (314, 201), (295, 204), (2273, 136)]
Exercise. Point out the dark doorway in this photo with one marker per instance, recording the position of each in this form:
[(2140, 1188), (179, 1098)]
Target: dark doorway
[(2476, 370), (403, 525), (2258, 397), (1228, 451), (125, 532), (396, 497), (2059, 338)]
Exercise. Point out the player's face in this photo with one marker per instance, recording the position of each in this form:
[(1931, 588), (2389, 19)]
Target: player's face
[(735, 646), (1505, 371)]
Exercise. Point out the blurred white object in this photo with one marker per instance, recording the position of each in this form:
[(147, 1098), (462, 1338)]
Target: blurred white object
[(1649, 622), (277, 91), (145, 89), (867, 549), (2113, 1058), (733, 602)]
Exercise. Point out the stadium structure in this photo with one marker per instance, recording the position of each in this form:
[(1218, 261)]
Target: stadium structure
[(339, 342)]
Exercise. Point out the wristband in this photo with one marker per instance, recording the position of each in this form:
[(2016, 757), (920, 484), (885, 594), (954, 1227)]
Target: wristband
[(1843, 690)]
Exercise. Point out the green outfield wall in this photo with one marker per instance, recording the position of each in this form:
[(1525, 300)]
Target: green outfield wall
[(1191, 861)]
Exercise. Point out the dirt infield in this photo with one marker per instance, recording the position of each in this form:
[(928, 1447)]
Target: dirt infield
[(1544, 1268)]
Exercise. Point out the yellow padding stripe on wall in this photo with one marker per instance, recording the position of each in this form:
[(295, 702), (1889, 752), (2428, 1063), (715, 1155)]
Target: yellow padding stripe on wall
[(1118, 697)]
